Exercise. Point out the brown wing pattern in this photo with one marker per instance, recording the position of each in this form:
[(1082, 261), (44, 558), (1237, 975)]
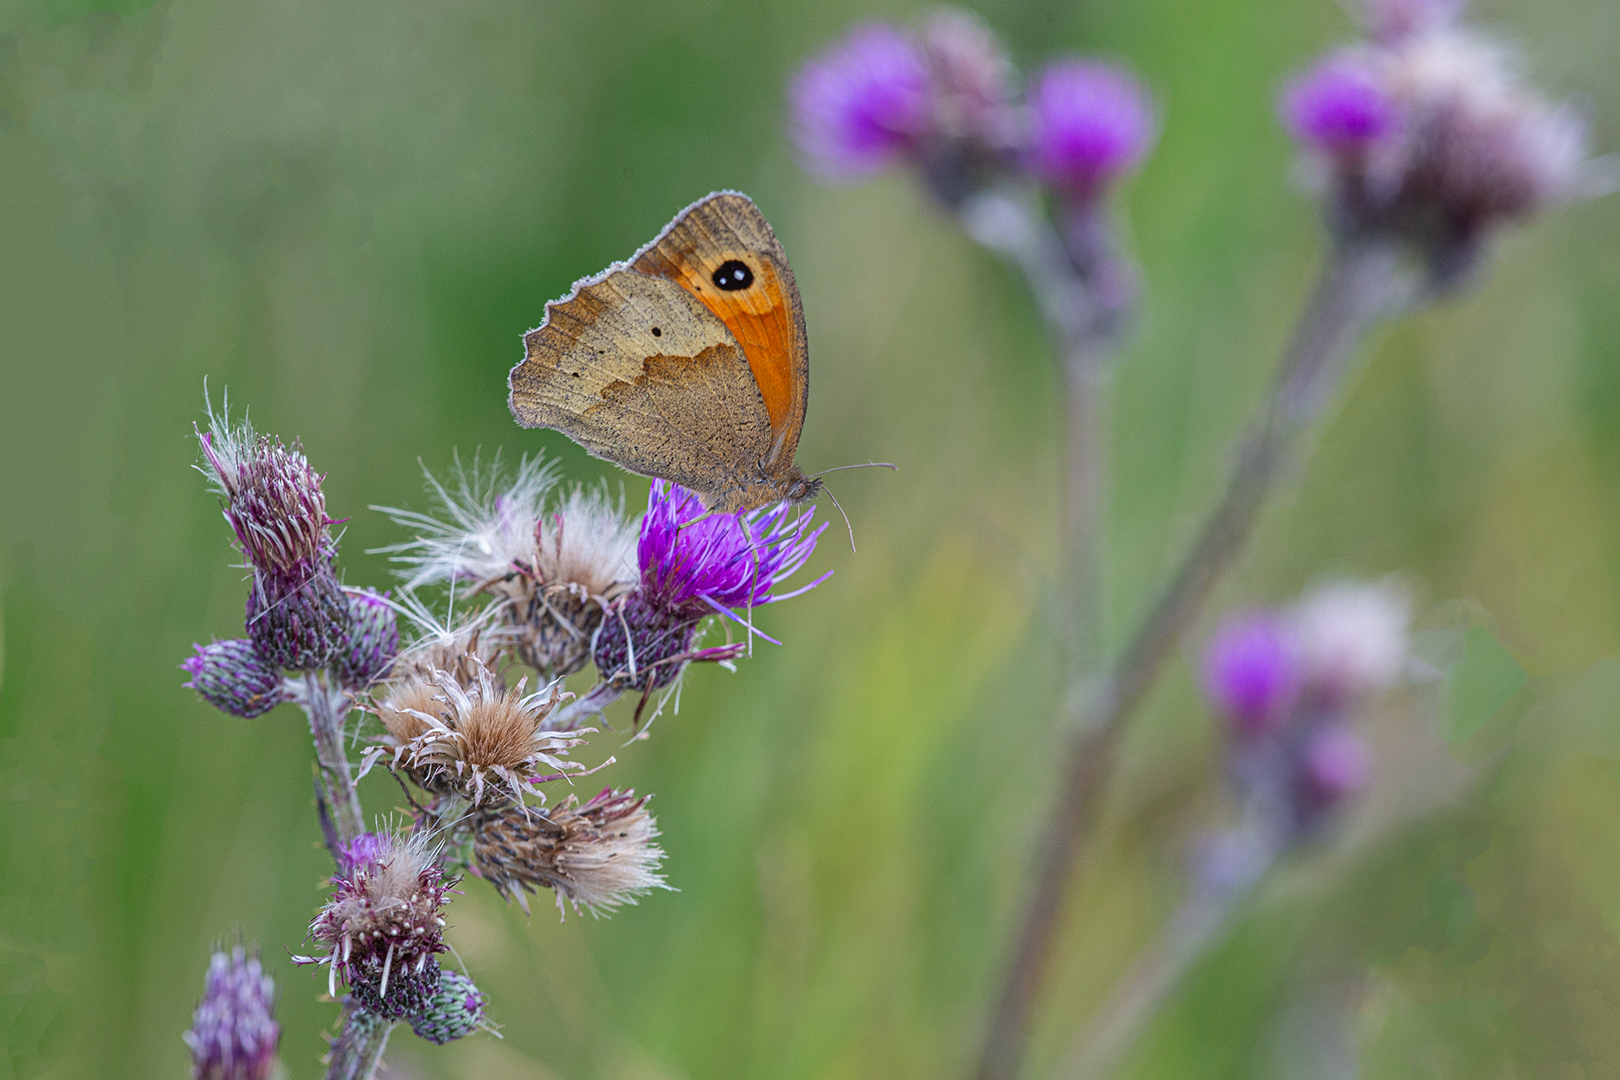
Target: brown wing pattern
[(766, 318), (637, 371)]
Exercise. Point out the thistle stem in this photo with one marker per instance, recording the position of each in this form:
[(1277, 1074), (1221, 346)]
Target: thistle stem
[(327, 707), (359, 1050), (1360, 285)]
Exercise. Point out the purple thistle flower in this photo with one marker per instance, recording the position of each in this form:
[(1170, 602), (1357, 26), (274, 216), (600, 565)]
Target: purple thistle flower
[(1341, 107), (371, 640), (863, 103), (1090, 123), (694, 564), (1252, 672), (233, 1032), (232, 677), (297, 615), (365, 849)]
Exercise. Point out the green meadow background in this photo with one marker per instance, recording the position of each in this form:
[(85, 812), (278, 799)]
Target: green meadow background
[(348, 211)]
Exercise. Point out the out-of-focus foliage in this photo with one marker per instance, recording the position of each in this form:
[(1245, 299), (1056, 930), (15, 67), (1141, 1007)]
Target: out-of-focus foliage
[(347, 212)]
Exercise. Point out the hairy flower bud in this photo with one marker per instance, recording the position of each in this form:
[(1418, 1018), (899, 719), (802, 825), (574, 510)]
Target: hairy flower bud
[(455, 1010), (599, 855), (232, 677), (370, 641), (234, 1033), (298, 624)]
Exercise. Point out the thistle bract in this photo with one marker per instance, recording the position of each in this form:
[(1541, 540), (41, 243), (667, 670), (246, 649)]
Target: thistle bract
[(234, 678), (455, 1010)]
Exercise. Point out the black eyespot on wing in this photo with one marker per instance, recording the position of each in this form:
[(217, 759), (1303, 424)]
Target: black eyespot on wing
[(733, 275), (657, 332)]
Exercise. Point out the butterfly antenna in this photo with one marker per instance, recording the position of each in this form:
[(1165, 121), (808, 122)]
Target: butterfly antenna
[(845, 516), (862, 465)]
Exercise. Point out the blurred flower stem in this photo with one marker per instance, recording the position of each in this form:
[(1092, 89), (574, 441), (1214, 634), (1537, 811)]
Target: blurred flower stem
[(359, 1049), (1078, 290), (1362, 284), (328, 707)]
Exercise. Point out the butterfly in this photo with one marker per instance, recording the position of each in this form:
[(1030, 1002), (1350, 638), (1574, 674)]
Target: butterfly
[(688, 362)]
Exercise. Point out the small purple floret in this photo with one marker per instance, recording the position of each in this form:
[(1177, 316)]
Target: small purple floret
[(367, 849), (233, 1032), (1340, 107), (863, 103), (1091, 123), (1252, 672)]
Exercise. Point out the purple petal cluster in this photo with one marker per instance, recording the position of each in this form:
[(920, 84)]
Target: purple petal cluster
[(863, 103), (233, 1033), (1090, 123), (696, 562), (1342, 106), (693, 564), (1252, 672)]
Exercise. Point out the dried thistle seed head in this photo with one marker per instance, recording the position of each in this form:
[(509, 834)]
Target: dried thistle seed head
[(584, 558), (598, 856), (483, 527), (483, 741), (233, 1033), (232, 677), (383, 925), (454, 1011)]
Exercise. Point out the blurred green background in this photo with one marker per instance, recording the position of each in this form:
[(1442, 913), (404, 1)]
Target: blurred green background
[(347, 212)]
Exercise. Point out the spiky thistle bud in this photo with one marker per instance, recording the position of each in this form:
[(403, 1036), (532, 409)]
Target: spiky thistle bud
[(382, 926), (233, 1032), (232, 677), (598, 856), (370, 642), (455, 1010), (296, 612)]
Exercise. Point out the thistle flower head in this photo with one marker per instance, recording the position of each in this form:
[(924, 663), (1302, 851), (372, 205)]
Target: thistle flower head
[(272, 498), (1090, 124), (478, 740), (1430, 135), (1252, 671), (455, 1010), (382, 926), (1335, 765), (973, 79), (232, 677), (598, 856), (696, 563), (1343, 107), (864, 103), (233, 1032)]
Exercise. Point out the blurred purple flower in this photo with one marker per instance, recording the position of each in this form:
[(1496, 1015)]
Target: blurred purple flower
[(233, 1032), (862, 103), (1091, 123), (1252, 672), (1336, 765), (1341, 106)]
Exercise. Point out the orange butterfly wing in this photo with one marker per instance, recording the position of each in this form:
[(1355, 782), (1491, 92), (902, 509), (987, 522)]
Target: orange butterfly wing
[(723, 240)]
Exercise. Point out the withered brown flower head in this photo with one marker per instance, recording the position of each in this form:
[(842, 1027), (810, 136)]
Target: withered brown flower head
[(478, 740), (597, 856)]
